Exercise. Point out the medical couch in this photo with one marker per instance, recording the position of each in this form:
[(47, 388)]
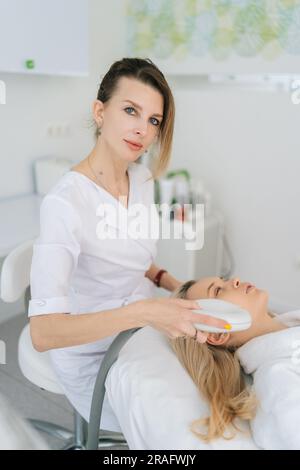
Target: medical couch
[(153, 396)]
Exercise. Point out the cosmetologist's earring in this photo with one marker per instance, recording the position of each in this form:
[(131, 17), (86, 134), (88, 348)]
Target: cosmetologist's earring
[(99, 125)]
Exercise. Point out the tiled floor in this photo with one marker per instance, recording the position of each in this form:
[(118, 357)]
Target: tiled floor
[(26, 398)]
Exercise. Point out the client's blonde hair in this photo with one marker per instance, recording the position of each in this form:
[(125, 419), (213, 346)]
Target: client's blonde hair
[(219, 377)]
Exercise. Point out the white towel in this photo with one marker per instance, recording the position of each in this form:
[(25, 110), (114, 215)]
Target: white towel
[(274, 361)]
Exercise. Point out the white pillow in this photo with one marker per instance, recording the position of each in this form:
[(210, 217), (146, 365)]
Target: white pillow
[(155, 399)]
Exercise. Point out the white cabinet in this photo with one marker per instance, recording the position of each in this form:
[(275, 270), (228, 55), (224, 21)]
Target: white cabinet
[(184, 264), (44, 37)]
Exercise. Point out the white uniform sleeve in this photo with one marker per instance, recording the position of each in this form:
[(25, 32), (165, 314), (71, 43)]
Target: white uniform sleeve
[(55, 256)]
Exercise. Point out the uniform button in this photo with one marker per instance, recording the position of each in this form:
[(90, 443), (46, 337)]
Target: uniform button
[(41, 302), (125, 302)]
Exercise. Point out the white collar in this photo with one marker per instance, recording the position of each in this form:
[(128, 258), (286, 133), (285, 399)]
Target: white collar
[(276, 345)]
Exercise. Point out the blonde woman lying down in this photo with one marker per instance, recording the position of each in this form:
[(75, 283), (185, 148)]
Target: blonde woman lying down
[(269, 350)]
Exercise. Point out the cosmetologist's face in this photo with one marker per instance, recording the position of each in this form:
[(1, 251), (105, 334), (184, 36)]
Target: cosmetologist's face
[(134, 113)]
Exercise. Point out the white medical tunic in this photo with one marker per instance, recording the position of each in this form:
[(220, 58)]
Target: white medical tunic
[(75, 271)]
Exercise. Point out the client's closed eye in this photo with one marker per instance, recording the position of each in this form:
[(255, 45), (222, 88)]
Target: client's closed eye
[(217, 290)]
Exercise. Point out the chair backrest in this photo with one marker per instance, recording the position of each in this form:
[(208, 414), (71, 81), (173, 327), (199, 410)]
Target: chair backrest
[(15, 274)]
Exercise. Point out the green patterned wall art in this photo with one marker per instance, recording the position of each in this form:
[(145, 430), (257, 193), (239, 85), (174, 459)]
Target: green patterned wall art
[(216, 33)]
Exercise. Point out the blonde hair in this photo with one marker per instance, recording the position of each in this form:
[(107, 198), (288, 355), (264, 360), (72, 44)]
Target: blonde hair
[(147, 72), (217, 373)]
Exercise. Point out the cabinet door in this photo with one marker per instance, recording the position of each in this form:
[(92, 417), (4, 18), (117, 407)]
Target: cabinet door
[(44, 37)]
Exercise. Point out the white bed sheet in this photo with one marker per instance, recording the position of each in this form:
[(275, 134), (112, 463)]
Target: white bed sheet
[(155, 399)]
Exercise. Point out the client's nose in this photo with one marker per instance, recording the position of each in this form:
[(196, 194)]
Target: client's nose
[(236, 282)]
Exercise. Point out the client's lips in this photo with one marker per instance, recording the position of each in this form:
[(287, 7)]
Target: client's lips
[(249, 287), (136, 144)]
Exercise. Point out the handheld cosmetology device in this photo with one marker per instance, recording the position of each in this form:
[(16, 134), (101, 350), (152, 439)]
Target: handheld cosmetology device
[(237, 317)]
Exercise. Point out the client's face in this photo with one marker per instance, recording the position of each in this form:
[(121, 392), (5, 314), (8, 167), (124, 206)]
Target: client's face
[(244, 294)]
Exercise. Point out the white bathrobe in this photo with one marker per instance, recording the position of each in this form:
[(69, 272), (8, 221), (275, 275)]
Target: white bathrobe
[(274, 361)]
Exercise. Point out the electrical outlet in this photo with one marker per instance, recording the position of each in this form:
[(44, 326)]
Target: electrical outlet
[(58, 131)]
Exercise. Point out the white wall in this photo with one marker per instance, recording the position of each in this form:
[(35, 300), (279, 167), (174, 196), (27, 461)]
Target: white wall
[(243, 144)]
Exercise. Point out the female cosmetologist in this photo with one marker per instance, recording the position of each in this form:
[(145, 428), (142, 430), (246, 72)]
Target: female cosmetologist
[(85, 290)]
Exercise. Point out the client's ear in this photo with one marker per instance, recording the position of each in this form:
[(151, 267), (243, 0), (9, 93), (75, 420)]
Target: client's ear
[(217, 339)]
